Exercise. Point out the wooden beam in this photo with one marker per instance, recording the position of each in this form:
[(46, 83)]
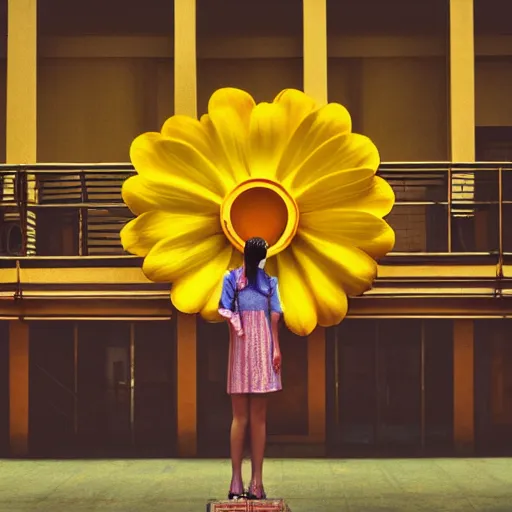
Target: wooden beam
[(463, 386), (136, 306)]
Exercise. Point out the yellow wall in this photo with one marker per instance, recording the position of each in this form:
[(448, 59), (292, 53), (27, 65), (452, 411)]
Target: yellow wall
[(400, 102), (90, 109), (96, 93), (263, 78), (3, 110), (493, 84)]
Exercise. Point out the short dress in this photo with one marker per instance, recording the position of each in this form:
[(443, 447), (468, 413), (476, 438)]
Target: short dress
[(251, 347)]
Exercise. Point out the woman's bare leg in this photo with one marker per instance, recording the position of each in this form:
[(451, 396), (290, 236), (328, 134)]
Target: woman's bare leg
[(258, 419), (240, 405)]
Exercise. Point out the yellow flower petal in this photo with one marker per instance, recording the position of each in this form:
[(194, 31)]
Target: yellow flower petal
[(174, 257), (341, 152), (190, 293), (197, 134), (237, 99), (210, 312), (177, 165), (351, 228), (297, 105), (331, 301), (229, 111), (268, 135), (377, 200), (141, 234), (330, 191), (298, 304), (143, 196), (319, 127), (349, 266)]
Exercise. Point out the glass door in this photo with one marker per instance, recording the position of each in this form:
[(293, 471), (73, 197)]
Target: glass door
[(104, 388), (154, 408), (52, 389), (399, 383), (493, 387), (392, 390)]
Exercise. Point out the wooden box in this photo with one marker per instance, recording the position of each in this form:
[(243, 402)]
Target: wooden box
[(276, 505)]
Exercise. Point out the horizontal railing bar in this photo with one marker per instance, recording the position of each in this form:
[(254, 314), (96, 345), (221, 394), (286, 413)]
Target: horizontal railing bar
[(95, 206), (126, 166)]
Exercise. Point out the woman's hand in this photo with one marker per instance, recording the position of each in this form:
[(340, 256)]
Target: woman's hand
[(277, 361)]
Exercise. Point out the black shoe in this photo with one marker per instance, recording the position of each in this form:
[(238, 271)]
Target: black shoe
[(236, 496), (256, 492)]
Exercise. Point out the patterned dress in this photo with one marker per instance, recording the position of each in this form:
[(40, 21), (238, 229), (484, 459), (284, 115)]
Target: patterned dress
[(251, 347)]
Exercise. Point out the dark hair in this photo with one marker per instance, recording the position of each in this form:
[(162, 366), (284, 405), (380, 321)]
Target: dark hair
[(255, 250)]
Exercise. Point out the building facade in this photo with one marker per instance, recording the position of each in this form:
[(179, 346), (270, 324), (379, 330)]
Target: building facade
[(94, 360)]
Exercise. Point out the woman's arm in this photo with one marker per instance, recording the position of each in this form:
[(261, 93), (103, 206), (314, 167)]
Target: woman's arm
[(276, 311), (226, 303), (275, 330)]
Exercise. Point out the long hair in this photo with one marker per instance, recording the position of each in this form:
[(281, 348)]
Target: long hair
[(255, 250)]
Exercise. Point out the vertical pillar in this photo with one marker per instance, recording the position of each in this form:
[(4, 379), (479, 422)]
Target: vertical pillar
[(462, 145), (462, 81), (463, 386), (18, 387), (315, 49), (185, 58), (185, 102), (315, 85), (21, 142), (21, 148)]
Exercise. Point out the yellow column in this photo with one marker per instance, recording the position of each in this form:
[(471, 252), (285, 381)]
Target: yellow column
[(21, 142), (462, 81), (315, 84), (315, 49), (462, 143), (185, 65), (463, 386), (21, 148), (18, 387), (185, 102)]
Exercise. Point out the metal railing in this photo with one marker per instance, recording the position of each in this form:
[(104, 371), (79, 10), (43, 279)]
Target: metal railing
[(76, 210)]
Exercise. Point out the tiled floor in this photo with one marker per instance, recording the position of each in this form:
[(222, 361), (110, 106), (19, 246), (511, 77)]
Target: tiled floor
[(308, 485)]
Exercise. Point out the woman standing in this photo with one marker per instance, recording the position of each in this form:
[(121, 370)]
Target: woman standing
[(250, 301)]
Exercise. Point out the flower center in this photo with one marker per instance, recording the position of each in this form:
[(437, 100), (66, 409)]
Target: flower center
[(261, 208)]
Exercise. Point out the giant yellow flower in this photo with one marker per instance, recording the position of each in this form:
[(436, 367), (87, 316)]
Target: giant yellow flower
[(291, 172)]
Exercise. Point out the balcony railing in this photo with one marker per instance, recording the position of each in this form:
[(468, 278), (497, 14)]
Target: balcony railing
[(442, 209)]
